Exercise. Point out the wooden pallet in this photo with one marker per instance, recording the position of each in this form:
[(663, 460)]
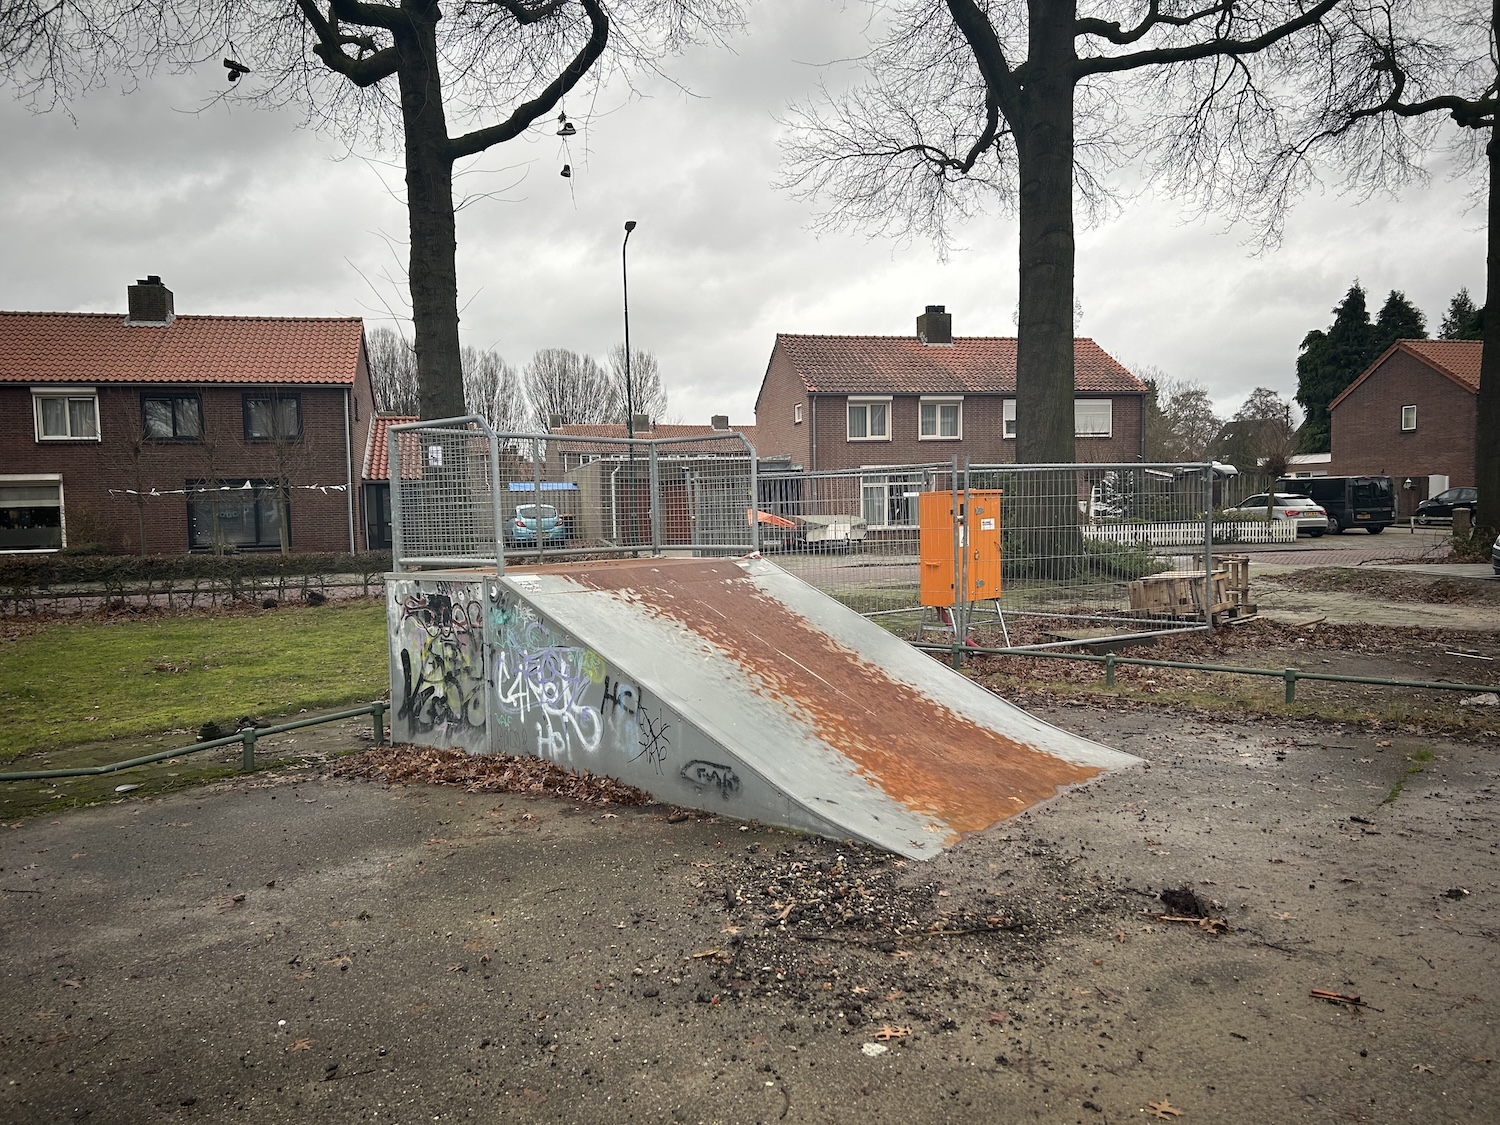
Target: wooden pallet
[(1180, 593)]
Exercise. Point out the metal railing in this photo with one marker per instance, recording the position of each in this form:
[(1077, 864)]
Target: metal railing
[(1289, 676), (247, 738)]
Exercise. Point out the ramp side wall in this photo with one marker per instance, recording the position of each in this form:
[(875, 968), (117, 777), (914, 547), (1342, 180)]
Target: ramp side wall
[(477, 667)]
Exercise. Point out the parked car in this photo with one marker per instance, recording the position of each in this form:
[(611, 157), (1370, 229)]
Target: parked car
[(1367, 502), (1310, 516), (1440, 507), (524, 525)]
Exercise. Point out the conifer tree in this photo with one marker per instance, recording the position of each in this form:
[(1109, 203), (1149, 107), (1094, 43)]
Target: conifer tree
[(1464, 320), (1399, 319), (1329, 362)]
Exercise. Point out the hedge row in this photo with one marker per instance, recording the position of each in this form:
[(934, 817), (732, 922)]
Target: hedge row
[(37, 574)]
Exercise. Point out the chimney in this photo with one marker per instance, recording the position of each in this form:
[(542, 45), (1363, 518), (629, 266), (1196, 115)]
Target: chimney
[(554, 422), (935, 326), (641, 423), (149, 302), (720, 421)]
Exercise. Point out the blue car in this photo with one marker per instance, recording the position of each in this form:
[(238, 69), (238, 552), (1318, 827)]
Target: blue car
[(530, 521)]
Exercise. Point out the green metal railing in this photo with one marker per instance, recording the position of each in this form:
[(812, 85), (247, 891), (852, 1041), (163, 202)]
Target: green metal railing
[(247, 738), (1290, 676)]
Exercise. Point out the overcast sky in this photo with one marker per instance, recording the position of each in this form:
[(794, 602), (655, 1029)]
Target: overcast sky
[(246, 212)]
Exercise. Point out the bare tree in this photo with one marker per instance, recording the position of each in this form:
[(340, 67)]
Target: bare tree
[(564, 385), (978, 103), (380, 71), (1415, 76), (492, 389), (1180, 421), (393, 371), (647, 394)]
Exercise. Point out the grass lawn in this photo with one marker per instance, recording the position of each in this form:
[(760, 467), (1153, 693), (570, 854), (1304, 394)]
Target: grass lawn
[(82, 681)]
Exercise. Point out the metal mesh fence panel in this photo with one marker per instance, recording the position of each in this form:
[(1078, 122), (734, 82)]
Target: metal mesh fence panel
[(469, 496), (1085, 550), (443, 494)]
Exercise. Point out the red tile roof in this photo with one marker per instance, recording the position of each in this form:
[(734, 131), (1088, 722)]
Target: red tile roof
[(1456, 359), (102, 348), (377, 452), (661, 430), (905, 365)]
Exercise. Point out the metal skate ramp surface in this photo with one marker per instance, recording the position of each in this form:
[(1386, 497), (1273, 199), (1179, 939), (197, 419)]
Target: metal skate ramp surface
[(732, 686)]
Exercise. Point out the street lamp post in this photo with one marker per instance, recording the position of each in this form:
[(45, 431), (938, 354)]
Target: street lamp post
[(629, 395), (625, 289)]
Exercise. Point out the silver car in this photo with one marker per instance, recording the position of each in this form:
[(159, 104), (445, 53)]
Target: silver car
[(1310, 516)]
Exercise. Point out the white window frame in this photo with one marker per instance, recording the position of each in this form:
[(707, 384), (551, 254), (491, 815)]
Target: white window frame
[(797, 414), (937, 402), (884, 494), (1008, 418), (864, 402), (69, 395), (1408, 419), (1081, 409)]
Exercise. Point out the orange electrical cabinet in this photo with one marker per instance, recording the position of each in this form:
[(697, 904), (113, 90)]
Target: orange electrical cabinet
[(948, 534)]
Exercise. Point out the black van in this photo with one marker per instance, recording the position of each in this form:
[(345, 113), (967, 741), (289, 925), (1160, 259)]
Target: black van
[(1367, 502)]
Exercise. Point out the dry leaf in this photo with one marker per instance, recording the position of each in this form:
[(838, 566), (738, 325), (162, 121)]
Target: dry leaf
[(302, 1045), (1163, 1109), (888, 1032)]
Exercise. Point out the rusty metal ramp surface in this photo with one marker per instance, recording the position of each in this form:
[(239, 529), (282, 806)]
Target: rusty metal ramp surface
[(730, 685)]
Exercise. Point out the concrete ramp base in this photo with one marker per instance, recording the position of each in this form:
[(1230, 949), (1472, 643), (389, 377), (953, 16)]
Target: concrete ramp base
[(720, 684)]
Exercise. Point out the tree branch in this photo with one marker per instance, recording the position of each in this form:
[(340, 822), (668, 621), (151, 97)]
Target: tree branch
[(1114, 64), (367, 69), (368, 15), (1002, 91), (524, 13), (1111, 29), (527, 112)]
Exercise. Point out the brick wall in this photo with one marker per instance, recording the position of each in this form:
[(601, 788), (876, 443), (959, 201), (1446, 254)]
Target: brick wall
[(1366, 427), (777, 432), (118, 462), (983, 441)]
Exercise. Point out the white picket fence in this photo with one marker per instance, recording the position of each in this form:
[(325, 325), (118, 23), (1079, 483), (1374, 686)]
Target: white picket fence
[(1190, 533)]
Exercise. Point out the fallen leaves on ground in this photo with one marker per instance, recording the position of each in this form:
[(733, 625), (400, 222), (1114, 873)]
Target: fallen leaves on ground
[(1163, 1109), (889, 1032), (487, 773)]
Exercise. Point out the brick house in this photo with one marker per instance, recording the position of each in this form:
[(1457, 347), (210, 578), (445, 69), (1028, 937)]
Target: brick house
[(851, 402), (1411, 415), (842, 403), (157, 433)]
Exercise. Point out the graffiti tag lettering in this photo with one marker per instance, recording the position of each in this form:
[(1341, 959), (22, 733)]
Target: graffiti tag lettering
[(712, 775)]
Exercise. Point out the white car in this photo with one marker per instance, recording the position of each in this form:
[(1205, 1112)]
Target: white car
[(1309, 515)]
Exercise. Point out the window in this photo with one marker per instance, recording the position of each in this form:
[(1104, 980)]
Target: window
[(235, 513), (31, 513), (1092, 417), (797, 414), (273, 417), (66, 415), (1008, 416), (890, 499), (1408, 419), (869, 419), (940, 418), (172, 417)]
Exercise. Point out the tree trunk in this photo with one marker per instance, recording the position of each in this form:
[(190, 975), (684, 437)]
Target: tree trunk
[(429, 199), (1487, 406), (1047, 522), (1044, 161)]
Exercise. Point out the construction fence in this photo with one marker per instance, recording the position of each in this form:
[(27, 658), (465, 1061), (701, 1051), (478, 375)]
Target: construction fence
[(1084, 551)]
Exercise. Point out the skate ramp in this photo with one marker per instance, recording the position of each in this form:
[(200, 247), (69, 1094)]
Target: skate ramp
[(722, 684)]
